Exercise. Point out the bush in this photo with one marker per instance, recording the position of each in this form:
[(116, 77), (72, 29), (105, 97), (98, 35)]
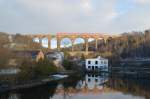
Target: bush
[(32, 70), (68, 65), (27, 71), (44, 67)]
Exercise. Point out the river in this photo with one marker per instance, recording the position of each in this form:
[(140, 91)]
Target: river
[(89, 86)]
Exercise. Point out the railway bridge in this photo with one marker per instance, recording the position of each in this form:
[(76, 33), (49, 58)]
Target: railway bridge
[(72, 36)]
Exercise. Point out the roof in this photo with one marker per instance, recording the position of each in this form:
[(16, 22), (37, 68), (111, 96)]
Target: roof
[(99, 57), (26, 52)]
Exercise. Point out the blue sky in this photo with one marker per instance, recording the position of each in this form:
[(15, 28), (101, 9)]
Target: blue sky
[(124, 6), (52, 16)]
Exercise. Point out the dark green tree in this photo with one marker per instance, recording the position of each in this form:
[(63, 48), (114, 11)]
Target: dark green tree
[(68, 65), (44, 67)]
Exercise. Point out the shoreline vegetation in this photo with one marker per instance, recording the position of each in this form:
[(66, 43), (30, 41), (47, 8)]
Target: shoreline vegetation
[(129, 45), (32, 83)]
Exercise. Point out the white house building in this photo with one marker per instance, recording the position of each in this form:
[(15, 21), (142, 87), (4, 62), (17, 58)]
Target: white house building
[(98, 63)]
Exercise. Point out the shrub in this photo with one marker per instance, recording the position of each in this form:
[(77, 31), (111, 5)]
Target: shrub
[(44, 67), (68, 65)]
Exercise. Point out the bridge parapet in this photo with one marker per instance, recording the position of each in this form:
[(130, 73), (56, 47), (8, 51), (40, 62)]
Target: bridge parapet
[(82, 35)]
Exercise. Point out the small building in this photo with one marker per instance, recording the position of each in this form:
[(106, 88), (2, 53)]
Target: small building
[(98, 63), (56, 57)]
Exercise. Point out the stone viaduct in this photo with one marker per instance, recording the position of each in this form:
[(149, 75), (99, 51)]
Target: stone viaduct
[(72, 37)]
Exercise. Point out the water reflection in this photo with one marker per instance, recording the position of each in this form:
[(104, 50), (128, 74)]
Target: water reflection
[(95, 81), (136, 87), (89, 86), (41, 92)]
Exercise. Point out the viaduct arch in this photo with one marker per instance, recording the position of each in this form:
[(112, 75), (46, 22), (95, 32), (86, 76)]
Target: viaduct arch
[(72, 37)]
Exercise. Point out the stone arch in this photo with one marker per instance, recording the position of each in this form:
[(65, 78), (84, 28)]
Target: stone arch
[(79, 44), (53, 43), (44, 42), (36, 39), (101, 40), (91, 39), (91, 44), (66, 43), (79, 40)]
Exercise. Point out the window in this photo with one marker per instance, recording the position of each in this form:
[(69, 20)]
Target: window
[(89, 80), (96, 67), (96, 75), (89, 62), (92, 67), (89, 67), (96, 80), (96, 62), (89, 75)]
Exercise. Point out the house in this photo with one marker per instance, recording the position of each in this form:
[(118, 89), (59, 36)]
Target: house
[(98, 63), (56, 57)]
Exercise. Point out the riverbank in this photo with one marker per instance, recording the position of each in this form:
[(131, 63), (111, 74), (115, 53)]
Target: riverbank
[(27, 84), (32, 83)]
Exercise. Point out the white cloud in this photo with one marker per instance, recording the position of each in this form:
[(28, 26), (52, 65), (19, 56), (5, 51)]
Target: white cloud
[(51, 16), (86, 5)]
